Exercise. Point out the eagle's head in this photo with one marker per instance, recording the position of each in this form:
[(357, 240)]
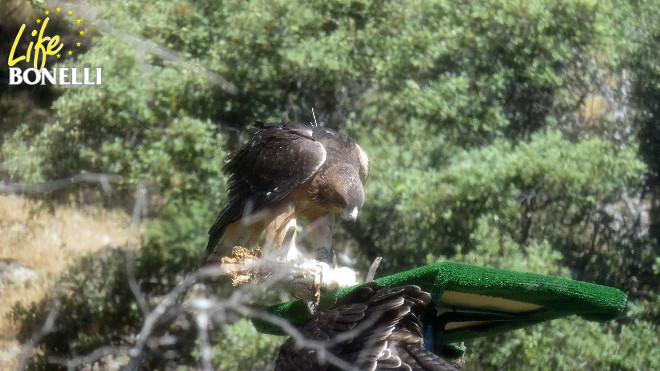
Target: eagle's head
[(352, 191), (339, 184), (351, 198), (342, 190)]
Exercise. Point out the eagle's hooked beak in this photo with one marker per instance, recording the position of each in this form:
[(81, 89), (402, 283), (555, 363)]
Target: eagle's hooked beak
[(350, 216)]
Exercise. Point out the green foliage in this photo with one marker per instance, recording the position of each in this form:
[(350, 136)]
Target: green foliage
[(179, 223), (646, 97), (547, 189), (575, 343), (256, 351), (23, 161), (145, 122)]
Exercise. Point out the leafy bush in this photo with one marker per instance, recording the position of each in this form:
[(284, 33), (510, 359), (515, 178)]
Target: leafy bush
[(241, 347)]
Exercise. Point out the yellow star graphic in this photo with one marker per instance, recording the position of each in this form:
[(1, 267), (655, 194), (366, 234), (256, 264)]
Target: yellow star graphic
[(58, 9), (70, 12), (47, 12), (82, 32), (78, 20), (58, 55), (77, 44), (70, 52), (38, 20)]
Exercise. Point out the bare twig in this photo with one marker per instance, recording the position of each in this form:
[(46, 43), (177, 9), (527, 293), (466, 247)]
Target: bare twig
[(95, 355), (321, 347), (203, 306), (23, 188), (138, 211), (205, 311), (137, 352), (30, 345), (214, 309)]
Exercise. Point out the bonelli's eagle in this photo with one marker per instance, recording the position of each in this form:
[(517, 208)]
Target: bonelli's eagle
[(288, 171)]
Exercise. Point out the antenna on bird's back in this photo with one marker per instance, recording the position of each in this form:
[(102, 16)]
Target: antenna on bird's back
[(314, 116)]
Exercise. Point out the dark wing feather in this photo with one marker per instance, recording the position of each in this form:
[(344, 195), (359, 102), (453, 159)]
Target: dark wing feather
[(274, 162), (388, 333), (407, 338), (420, 358)]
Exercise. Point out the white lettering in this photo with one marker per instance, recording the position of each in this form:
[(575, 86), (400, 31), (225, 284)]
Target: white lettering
[(74, 76), (45, 74), (15, 77), (86, 77), (26, 76), (63, 76), (58, 76)]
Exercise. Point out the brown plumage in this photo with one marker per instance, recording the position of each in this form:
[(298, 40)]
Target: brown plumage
[(382, 330), (287, 171)]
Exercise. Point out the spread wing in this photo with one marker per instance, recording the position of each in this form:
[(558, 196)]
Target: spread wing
[(387, 333), (276, 160)]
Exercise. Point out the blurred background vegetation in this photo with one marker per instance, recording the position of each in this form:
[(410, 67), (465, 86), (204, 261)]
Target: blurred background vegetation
[(521, 135)]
